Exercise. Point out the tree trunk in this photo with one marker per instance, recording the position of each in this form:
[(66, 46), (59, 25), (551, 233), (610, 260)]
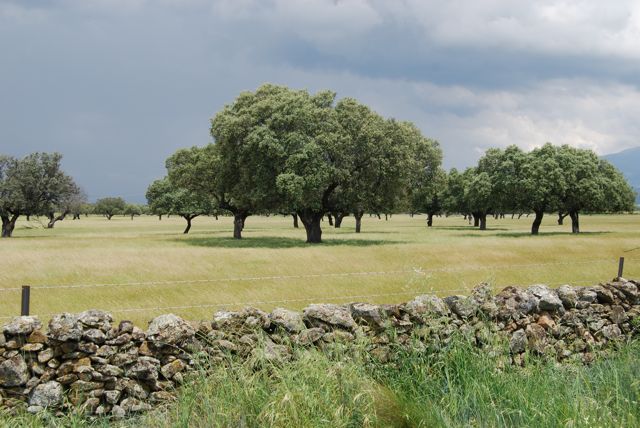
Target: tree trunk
[(476, 219), (53, 219), (188, 218), (216, 216), (330, 218), (338, 219), (535, 227), (8, 224), (483, 221), (295, 220), (520, 215), (311, 221), (109, 216), (561, 218), (160, 217), (429, 219), (238, 225), (512, 214), (76, 217), (575, 222), (358, 216)]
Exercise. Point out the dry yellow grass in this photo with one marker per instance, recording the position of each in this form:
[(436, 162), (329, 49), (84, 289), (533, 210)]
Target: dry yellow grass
[(210, 266)]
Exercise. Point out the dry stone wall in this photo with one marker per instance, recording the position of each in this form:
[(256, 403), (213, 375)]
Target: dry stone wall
[(83, 360)]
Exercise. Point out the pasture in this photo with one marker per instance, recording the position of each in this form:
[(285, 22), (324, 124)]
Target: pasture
[(140, 268)]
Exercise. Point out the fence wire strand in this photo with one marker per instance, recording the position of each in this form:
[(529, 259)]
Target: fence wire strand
[(417, 270)]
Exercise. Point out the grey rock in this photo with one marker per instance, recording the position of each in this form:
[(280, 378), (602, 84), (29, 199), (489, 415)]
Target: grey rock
[(309, 336), (462, 306), (618, 315), (289, 320), (133, 405), (518, 342), (96, 319), (629, 289), (368, 314), (226, 320), (169, 370), (427, 304), (46, 355), (34, 410), (94, 335), (146, 368), (568, 296), (22, 326), (548, 300), (118, 412), (14, 372), (611, 332), (328, 315), (169, 329), (49, 394), (65, 327)]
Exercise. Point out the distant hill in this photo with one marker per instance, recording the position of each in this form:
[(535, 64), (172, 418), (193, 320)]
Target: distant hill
[(628, 161)]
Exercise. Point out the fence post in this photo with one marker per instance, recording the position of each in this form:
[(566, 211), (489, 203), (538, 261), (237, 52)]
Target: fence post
[(620, 267), (26, 294)]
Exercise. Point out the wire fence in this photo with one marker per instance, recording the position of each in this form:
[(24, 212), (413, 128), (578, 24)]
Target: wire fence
[(416, 271)]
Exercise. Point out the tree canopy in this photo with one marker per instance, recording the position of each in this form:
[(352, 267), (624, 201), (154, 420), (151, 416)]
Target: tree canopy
[(33, 185)]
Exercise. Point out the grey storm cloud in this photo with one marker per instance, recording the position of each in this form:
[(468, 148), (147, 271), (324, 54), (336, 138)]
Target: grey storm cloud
[(118, 85)]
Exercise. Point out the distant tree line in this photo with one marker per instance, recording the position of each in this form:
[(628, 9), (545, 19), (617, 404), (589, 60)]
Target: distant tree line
[(551, 179), (278, 150), (289, 152)]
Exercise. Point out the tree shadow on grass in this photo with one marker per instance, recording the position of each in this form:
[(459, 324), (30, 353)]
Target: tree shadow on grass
[(279, 242), (467, 228), (481, 233)]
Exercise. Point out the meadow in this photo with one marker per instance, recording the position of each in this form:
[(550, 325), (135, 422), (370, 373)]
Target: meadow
[(143, 267)]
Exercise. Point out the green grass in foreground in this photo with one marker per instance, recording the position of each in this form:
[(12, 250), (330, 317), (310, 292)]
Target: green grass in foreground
[(453, 257), (459, 386)]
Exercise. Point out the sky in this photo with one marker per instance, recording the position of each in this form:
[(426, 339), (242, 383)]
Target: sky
[(117, 86)]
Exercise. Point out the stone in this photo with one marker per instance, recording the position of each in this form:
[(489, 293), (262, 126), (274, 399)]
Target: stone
[(518, 342), (330, 316), (14, 372), (146, 368), (548, 300), (118, 412), (96, 319), (22, 326), (161, 397), (169, 370), (3, 340), (618, 315), (32, 347), (272, 352), (94, 335), (34, 410), (37, 336), (125, 327), (112, 397), (568, 296), (291, 321), (111, 370), (169, 329), (49, 394), (462, 306), (368, 314), (611, 332), (427, 304), (133, 405), (536, 336), (309, 336), (603, 295), (84, 386), (629, 289), (65, 327), (546, 322)]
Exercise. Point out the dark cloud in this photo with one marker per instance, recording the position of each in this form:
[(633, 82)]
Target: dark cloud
[(118, 85)]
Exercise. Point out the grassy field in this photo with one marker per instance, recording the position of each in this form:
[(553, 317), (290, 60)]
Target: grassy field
[(160, 270)]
